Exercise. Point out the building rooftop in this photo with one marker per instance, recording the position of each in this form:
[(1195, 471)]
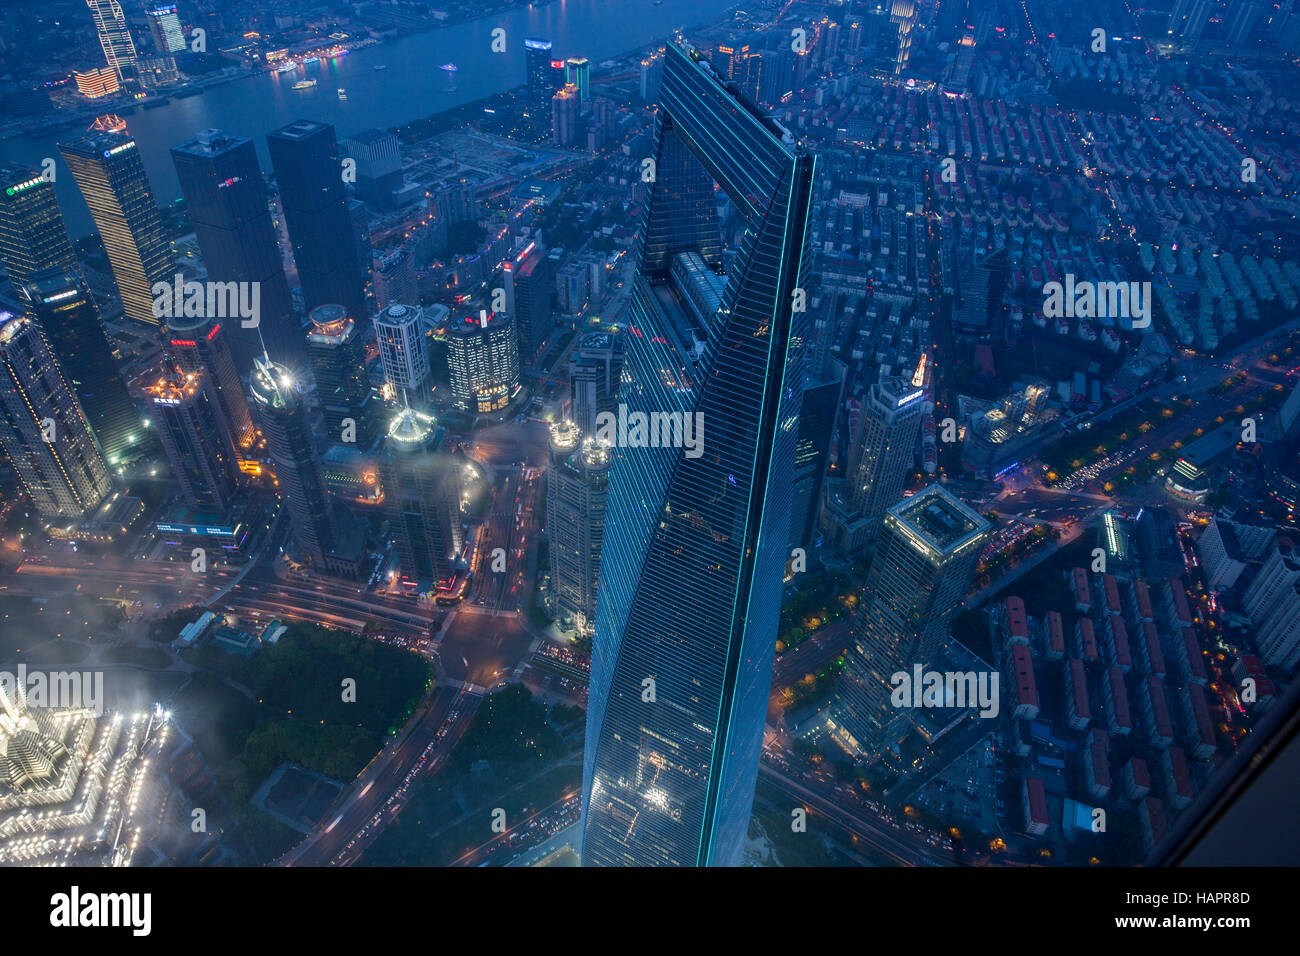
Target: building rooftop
[(940, 519)]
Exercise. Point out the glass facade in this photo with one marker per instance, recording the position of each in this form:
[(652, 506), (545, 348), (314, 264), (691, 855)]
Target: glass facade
[(694, 547)]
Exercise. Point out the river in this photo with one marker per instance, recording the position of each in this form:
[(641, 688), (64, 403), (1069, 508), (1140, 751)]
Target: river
[(412, 85)]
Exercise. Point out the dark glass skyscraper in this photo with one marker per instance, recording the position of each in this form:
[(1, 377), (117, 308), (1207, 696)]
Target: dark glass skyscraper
[(66, 312), (309, 174), (32, 235), (338, 363), (227, 201), (421, 498), (929, 545), (43, 430), (111, 177), (544, 76), (199, 345), (695, 536), (190, 429)]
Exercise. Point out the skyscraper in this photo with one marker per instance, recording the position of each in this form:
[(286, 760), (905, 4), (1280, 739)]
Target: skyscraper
[(577, 73), (821, 405), (111, 177), (577, 488), (114, 36), (228, 205), (43, 430), (379, 165), (529, 278), (283, 419), (421, 499), (399, 329), (566, 116), (66, 312), (32, 234), (190, 429), (882, 445), (694, 545), (483, 363), (929, 546), (595, 367), (199, 345), (166, 28), (544, 76), (309, 174), (338, 363)]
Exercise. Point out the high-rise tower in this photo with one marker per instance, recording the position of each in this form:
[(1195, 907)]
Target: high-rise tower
[(595, 367), (190, 428), (32, 235), (200, 345), (577, 489), (421, 498), (880, 451), (929, 546), (43, 430), (114, 36), (67, 314), (338, 363), (111, 177), (695, 534), (309, 174), (227, 202)]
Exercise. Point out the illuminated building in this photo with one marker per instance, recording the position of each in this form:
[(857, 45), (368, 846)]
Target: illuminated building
[(544, 76), (283, 419), (399, 329), (421, 499), (566, 117), (226, 198), (166, 28), (308, 174), (199, 345), (190, 429), (43, 429), (338, 363), (96, 83), (578, 73), (111, 177), (883, 443), (483, 363), (32, 235), (577, 486), (66, 312), (928, 548), (79, 787), (694, 545), (114, 36)]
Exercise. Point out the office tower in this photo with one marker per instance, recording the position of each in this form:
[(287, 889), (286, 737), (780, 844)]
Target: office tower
[(379, 165), (529, 279), (190, 429), (928, 549), (651, 77), (566, 117), (904, 14), (577, 487), (595, 367), (483, 363), (65, 310), (578, 73), (114, 36), (111, 177), (881, 448), (96, 83), (982, 287), (43, 429), (457, 202), (32, 234), (227, 202), (1242, 19), (882, 31), (399, 329), (544, 77), (821, 405), (165, 26), (421, 499), (694, 547), (338, 363), (309, 174), (778, 75), (200, 345), (393, 278), (283, 419)]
